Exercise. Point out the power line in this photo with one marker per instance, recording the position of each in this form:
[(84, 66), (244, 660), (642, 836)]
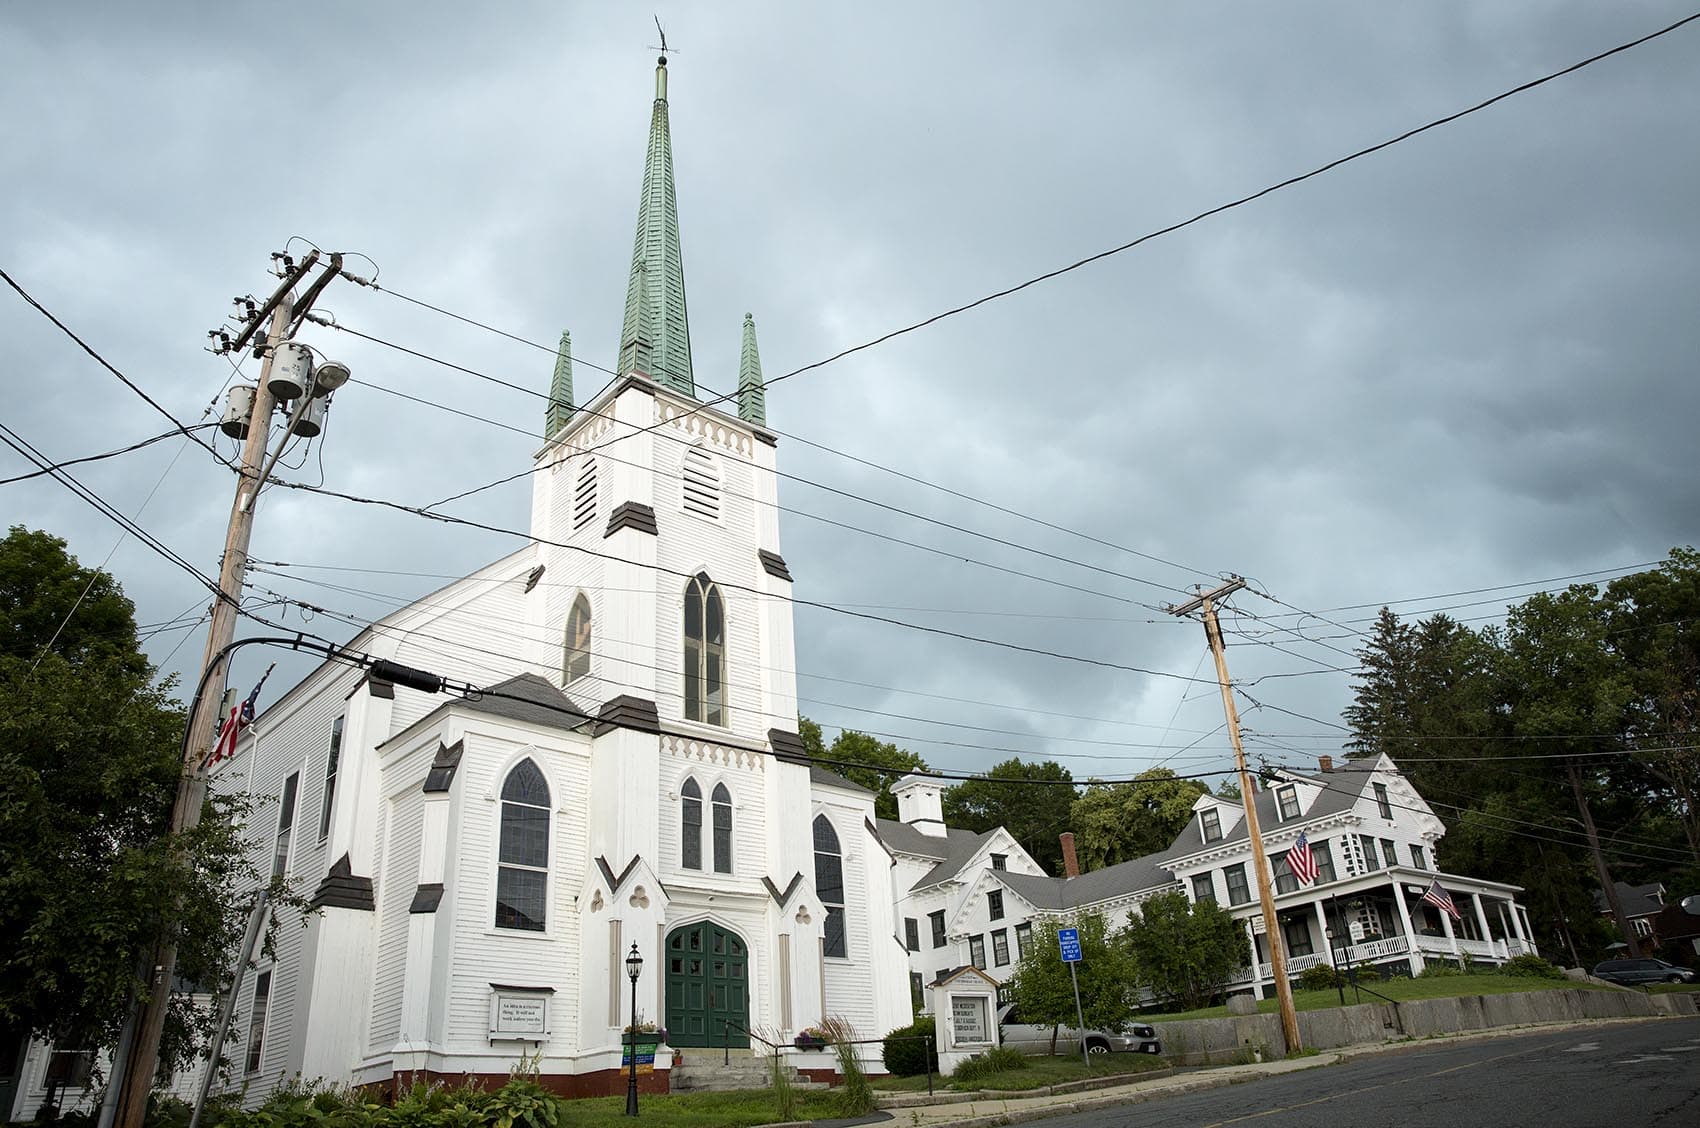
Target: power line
[(98, 457), (104, 363), (791, 599)]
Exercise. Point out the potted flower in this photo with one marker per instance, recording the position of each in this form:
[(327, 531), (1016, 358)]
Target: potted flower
[(645, 1036), (810, 1038)]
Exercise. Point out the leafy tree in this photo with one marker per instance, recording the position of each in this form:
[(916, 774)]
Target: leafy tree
[(1024, 798), (1043, 992), (89, 762), (874, 764), (1654, 625), (1184, 953), (1117, 822)]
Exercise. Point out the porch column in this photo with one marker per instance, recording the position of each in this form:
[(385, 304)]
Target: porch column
[(1256, 969), (1322, 928), (1511, 914), (1415, 956), (1451, 936), (1481, 919)]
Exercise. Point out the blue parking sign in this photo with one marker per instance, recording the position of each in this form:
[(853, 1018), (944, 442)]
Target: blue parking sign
[(1068, 939)]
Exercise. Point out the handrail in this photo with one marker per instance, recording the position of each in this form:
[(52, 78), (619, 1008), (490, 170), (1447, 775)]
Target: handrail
[(727, 1025)]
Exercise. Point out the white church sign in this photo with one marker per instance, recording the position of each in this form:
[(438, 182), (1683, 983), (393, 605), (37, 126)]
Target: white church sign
[(518, 1013)]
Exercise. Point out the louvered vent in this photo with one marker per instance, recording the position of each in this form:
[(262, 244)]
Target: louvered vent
[(702, 484), (584, 495)]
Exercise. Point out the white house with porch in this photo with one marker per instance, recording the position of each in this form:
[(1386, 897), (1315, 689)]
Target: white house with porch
[(971, 899)]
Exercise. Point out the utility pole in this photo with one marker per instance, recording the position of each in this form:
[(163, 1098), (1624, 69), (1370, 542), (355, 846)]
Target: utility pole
[(1607, 885), (1206, 603), (141, 1063)]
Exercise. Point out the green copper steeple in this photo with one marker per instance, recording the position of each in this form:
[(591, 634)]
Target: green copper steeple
[(752, 396), (656, 338), (560, 389)]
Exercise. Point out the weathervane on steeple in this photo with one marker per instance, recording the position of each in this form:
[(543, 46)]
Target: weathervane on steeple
[(664, 49)]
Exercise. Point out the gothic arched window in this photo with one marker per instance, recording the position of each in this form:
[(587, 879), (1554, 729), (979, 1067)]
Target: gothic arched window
[(829, 885), (722, 829), (705, 651), (576, 663), (690, 825), (522, 872)]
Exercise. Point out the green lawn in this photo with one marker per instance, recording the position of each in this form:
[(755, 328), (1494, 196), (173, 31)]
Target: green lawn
[(701, 1110), (1040, 1071), (1399, 990)]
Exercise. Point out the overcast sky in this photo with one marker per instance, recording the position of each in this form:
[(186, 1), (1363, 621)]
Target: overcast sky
[(1467, 361)]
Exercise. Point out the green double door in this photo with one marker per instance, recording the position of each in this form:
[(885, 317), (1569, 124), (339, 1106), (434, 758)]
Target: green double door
[(707, 987)]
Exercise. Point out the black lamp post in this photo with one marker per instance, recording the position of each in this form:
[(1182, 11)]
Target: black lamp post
[(634, 968)]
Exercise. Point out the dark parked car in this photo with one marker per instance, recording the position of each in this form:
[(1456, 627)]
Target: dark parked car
[(1635, 973), (1035, 1037)]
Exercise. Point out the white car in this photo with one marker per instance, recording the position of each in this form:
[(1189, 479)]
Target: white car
[(1035, 1037)]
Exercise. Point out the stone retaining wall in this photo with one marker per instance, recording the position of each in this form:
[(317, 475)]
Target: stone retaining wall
[(1215, 1041)]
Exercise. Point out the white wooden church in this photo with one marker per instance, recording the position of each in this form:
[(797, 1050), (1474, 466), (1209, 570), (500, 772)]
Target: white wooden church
[(484, 867)]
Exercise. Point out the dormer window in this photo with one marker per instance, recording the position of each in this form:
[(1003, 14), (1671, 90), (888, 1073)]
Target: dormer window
[(1210, 822), (1287, 801)]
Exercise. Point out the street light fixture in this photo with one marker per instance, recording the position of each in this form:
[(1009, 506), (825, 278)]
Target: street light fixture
[(634, 968)]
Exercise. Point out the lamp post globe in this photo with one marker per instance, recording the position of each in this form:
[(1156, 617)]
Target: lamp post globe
[(634, 968)]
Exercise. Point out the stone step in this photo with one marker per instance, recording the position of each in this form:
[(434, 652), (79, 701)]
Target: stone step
[(706, 1071)]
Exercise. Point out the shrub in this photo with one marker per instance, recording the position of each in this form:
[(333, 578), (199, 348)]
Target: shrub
[(1320, 977), (997, 1060), (905, 1056), (1533, 967), (1440, 970)]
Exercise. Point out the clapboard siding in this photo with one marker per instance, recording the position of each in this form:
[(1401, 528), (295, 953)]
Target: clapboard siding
[(486, 954), (395, 885)]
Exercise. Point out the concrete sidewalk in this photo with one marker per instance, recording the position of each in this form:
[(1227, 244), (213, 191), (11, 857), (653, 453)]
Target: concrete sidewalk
[(984, 1110)]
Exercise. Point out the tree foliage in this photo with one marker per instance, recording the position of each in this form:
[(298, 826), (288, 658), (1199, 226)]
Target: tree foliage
[(1117, 822), (1041, 987), (89, 762), (1027, 799), (1581, 708), (1184, 953), (874, 764)]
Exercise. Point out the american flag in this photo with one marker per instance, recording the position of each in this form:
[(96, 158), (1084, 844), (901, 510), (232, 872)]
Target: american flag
[(241, 716), (1441, 900), (1302, 861)]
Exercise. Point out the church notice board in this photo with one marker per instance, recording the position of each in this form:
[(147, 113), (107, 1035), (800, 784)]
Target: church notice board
[(519, 1013)]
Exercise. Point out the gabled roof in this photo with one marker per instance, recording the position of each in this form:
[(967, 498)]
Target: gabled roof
[(1121, 880), (1341, 789), (821, 777), (528, 698), (1637, 900), (952, 851)]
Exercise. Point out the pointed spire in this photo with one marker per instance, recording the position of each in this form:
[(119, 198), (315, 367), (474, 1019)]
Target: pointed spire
[(752, 396), (560, 389), (655, 339)]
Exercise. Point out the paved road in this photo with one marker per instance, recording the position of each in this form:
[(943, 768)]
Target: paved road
[(1634, 1075)]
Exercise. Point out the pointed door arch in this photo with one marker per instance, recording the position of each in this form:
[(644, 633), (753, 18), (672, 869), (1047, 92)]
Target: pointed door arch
[(707, 986)]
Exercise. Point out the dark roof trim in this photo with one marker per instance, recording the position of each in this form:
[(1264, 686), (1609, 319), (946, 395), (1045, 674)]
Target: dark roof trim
[(343, 889), (631, 515), (521, 987), (614, 883), (443, 767), (626, 711), (427, 897), (787, 747), (781, 898), (874, 833), (774, 564), (536, 574)]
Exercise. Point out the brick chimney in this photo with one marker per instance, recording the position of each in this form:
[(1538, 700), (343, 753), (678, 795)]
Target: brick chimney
[(1327, 763), (1071, 864)]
